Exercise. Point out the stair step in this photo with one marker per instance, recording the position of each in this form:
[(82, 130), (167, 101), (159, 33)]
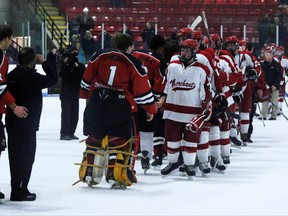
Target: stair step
[(57, 18)]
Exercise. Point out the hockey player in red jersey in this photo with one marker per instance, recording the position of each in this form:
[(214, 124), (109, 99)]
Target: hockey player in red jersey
[(188, 97), (114, 83), (152, 133)]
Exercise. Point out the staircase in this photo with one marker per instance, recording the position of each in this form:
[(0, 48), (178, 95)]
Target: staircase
[(59, 20)]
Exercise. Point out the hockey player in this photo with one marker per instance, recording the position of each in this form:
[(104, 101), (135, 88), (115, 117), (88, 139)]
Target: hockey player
[(114, 83), (219, 131), (152, 133), (188, 97), (251, 70)]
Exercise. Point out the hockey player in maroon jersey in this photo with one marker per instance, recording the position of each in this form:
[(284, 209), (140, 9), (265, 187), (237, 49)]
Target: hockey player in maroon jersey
[(283, 60), (220, 126), (114, 83), (188, 97), (206, 59), (152, 133), (251, 70)]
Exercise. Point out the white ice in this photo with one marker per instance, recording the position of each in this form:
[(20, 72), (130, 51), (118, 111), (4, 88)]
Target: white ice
[(255, 183)]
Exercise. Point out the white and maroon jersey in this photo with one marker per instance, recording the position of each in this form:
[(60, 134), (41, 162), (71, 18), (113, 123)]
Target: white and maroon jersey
[(152, 66), (245, 59), (234, 77), (121, 72), (206, 59), (186, 89), (284, 64)]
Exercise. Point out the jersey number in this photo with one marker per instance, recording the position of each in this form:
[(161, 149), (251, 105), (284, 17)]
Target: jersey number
[(112, 75)]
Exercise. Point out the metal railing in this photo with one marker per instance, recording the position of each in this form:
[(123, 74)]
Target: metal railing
[(56, 33)]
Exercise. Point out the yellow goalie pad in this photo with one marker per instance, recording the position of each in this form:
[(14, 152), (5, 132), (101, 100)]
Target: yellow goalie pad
[(122, 165)]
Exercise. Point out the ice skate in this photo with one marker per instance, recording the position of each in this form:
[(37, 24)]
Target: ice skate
[(217, 165), (244, 138), (235, 142), (205, 169), (157, 163), (145, 161), (88, 178), (169, 168), (182, 171), (226, 159), (189, 169), (116, 185)]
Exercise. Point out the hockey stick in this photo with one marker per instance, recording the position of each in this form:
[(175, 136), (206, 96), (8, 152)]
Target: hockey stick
[(261, 114), (196, 22), (205, 23), (285, 100), (279, 110)]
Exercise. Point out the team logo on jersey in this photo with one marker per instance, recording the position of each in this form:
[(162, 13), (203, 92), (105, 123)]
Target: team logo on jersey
[(182, 86)]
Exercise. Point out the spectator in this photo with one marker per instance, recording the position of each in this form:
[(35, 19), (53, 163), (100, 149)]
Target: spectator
[(6, 35), (85, 22), (52, 58), (89, 45), (107, 40), (26, 85), (147, 34), (127, 31), (71, 74), (264, 29), (117, 3)]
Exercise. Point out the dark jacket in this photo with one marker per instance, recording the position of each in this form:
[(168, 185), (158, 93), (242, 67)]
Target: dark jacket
[(71, 78), (273, 73), (26, 87)]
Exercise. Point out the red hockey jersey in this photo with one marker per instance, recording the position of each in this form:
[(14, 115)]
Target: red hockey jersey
[(122, 72)]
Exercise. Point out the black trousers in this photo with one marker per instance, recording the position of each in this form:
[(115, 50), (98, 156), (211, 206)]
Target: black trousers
[(21, 152), (69, 116)]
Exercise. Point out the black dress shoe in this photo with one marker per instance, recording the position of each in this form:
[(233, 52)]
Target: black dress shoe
[(22, 198), (2, 196), (63, 137), (73, 137), (27, 192)]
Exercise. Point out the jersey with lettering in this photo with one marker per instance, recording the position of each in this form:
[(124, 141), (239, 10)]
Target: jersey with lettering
[(186, 89), (121, 72), (5, 97)]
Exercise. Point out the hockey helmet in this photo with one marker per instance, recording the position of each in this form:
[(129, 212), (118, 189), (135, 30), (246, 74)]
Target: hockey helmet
[(215, 41), (189, 43), (185, 32), (232, 39), (193, 45), (242, 43), (279, 51), (197, 35), (231, 44)]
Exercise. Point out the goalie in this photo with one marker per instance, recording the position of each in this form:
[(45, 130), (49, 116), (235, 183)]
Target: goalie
[(113, 84)]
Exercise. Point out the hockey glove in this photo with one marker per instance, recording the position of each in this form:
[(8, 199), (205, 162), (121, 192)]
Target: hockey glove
[(251, 74), (237, 96)]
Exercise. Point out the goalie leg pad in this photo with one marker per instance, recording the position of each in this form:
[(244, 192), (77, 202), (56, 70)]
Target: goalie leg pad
[(100, 162), (121, 170), (83, 168)]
